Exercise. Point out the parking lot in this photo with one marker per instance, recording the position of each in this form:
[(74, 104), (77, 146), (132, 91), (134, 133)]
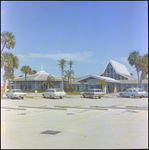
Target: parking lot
[(74, 122)]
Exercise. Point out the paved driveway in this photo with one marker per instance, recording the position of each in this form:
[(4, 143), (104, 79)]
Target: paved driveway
[(74, 122)]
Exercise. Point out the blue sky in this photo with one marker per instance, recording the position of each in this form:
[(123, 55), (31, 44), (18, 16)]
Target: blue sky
[(89, 32)]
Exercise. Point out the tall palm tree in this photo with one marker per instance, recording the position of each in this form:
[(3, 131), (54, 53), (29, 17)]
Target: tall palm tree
[(9, 63), (7, 40), (70, 63), (26, 70), (62, 64), (68, 74), (10, 76), (33, 72), (50, 78), (134, 60), (144, 68)]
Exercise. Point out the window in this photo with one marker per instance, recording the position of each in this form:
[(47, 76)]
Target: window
[(51, 91), (141, 90)]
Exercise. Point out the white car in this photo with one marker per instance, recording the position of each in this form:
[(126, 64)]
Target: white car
[(15, 93), (54, 93), (91, 93)]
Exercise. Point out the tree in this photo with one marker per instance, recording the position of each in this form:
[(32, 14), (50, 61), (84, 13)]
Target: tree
[(134, 60), (50, 78), (62, 64), (10, 76), (131, 74), (9, 63), (70, 63), (26, 70), (68, 74), (44, 84), (141, 65), (102, 82), (33, 72), (21, 76), (144, 68), (8, 40)]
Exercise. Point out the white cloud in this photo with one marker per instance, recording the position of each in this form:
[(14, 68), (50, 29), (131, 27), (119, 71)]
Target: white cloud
[(82, 57)]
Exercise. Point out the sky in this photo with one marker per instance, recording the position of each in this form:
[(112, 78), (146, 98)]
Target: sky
[(87, 32)]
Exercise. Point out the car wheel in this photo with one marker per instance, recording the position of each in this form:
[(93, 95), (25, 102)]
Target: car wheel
[(22, 97), (44, 96), (83, 96), (99, 97), (121, 95), (60, 97), (133, 96)]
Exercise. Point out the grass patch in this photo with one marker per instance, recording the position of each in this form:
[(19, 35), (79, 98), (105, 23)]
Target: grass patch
[(73, 93), (29, 97)]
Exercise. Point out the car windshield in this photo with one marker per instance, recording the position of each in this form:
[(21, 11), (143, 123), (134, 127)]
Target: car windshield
[(16, 91), (51, 91)]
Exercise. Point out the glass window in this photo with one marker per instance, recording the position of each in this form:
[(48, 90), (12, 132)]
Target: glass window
[(17, 90), (51, 91), (141, 90)]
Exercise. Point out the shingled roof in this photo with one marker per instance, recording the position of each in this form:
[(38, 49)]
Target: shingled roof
[(40, 76)]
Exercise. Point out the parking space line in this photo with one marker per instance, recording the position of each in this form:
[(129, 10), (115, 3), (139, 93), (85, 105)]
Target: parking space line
[(38, 115), (138, 115), (88, 116)]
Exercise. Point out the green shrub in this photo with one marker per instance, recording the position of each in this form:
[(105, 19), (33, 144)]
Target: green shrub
[(86, 88), (34, 90), (39, 90), (72, 89), (66, 88)]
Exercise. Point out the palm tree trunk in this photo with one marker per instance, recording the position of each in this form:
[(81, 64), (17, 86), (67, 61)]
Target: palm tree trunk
[(138, 78), (25, 83), (70, 75), (5, 79), (141, 78), (3, 47), (9, 85)]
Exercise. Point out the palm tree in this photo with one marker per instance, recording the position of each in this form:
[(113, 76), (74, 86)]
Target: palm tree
[(68, 74), (26, 70), (62, 64), (44, 84), (50, 78), (7, 40), (10, 76), (70, 63), (134, 60), (9, 63), (144, 68), (102, 82), (33, 72)]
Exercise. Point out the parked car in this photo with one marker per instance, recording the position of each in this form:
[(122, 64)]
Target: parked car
[(133, 92), (54, 93), (91, 93), (15, 93)]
